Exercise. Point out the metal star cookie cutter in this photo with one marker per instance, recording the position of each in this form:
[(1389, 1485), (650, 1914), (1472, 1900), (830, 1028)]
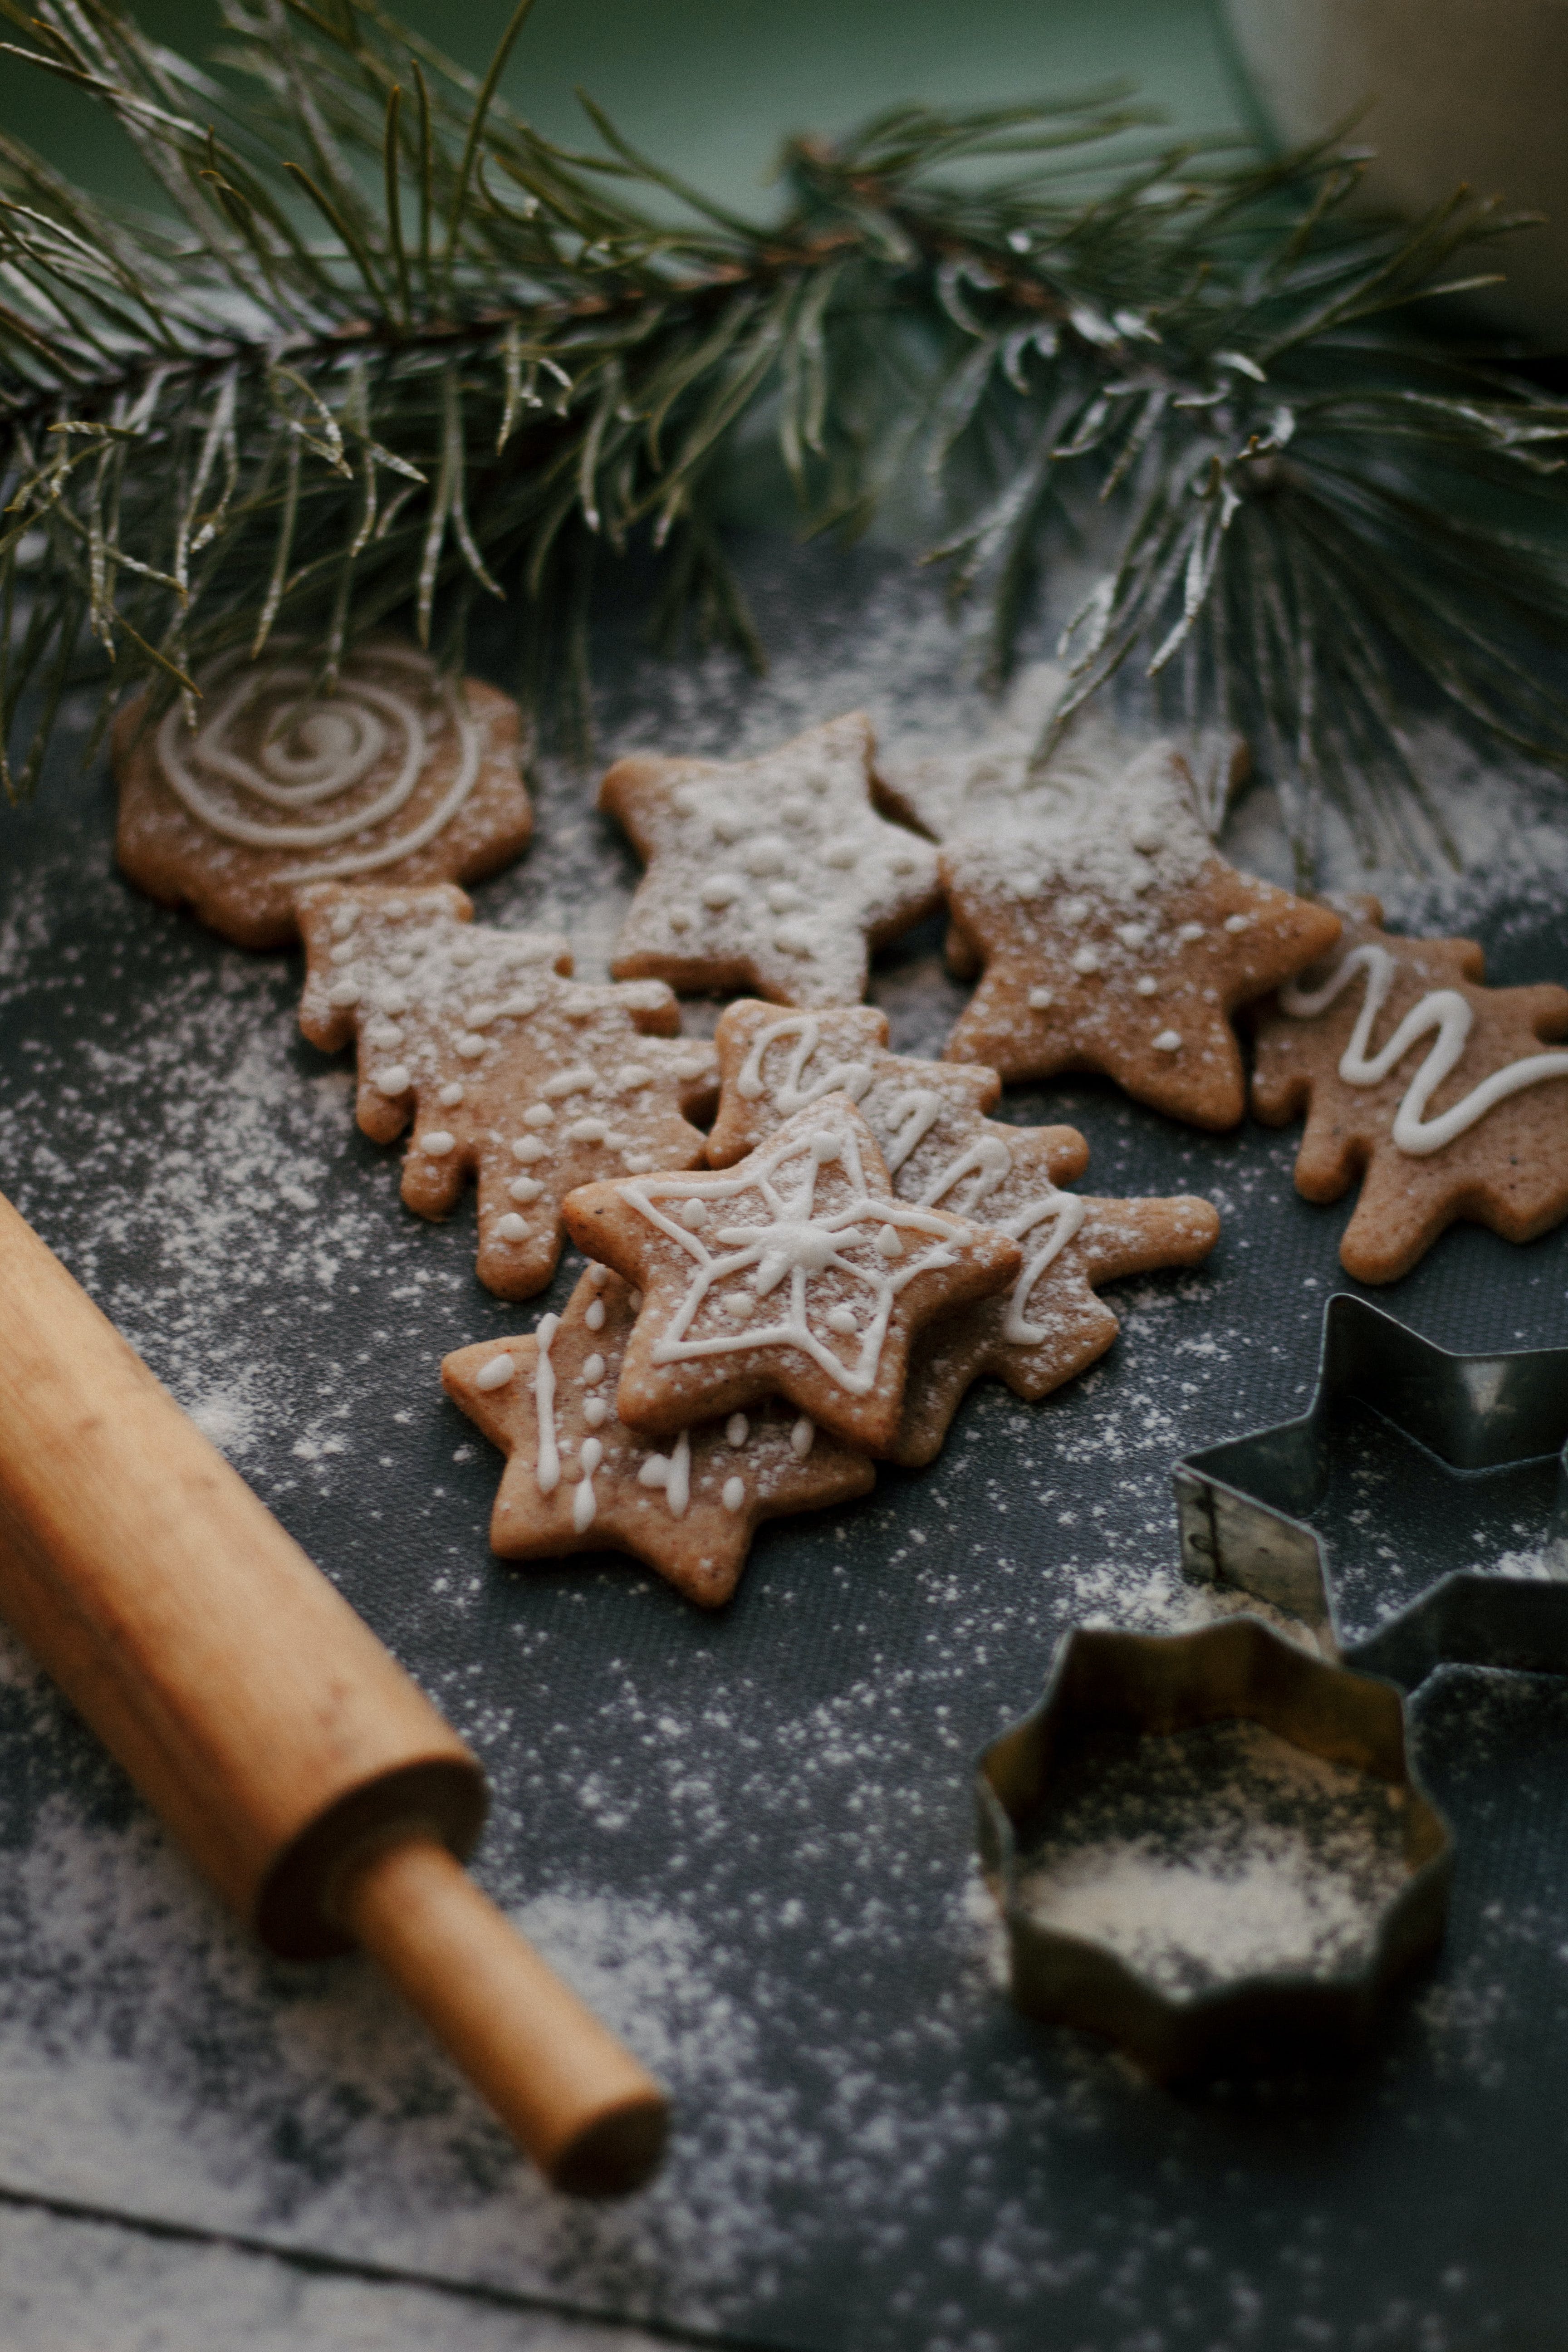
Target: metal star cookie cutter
[(1243, 1505), (1119, 1688)]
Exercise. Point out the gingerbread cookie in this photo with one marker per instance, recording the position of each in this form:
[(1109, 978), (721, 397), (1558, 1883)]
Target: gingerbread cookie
[(943, 1152), (1114, 937), (1431, 1089), (774, 875), (397, 775), (578, 1479), (795, 1273), (512, 1073)]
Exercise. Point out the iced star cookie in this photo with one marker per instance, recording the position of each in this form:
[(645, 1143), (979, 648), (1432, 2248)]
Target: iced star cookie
[(398, 775), (774, 875), (1432, 1089), (795, 1273), (1112, 936), (512, 1073), (577, 1479), (941, 1152)]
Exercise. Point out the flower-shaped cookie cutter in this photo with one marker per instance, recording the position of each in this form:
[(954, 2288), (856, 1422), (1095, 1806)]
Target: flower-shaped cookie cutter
[(1130, 1685), (1243, 1505)]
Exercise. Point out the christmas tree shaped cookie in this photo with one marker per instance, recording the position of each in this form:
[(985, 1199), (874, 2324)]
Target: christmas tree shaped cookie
[(577, 1479), (395, 774), (774, 875), (1112, 936), (796, 1273), (942, 1151), (1442, 1095), (512, 1073)]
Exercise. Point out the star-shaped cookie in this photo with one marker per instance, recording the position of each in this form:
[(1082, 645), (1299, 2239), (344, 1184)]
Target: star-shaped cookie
[(396, 775), (511, 1071), (795, 1273), (942, 1151), (578, 1479), (1441, 1094), (1114, 937), (774, 875)]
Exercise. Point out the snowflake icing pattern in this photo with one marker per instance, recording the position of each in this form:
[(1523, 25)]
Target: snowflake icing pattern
[(780, 1241)]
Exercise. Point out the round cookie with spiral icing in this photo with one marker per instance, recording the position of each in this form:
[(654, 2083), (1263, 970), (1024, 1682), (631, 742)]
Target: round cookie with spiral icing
[(394, 775), (577, 1479), (1444, 1097)]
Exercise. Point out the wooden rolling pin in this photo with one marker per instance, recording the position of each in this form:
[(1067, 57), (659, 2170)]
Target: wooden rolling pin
[(288, 1752)]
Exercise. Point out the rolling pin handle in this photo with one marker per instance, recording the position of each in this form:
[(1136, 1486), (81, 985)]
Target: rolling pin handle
[(575, 2100)]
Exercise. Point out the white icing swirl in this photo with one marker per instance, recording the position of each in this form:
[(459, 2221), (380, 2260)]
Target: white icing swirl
[(1444, 1010), (328, 748)]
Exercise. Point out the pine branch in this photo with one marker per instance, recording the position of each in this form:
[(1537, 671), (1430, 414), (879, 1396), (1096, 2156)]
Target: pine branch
[(387, 349)]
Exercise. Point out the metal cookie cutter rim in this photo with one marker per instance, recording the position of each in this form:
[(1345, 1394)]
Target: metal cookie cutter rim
[(1241, 1504), (1237, 1669)]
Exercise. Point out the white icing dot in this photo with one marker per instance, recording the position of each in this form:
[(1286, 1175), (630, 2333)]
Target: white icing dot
[(590, 1454), (578, 1080), (654, 1471), (539, 1115), (344, 952), (598, 1276), (719, 891), (343, 991), (464, 953), (737, 1306), (694, 1215), (395, 907), (394, 1080), (401, 964), (518, 1006), (824, 1145), (528, 1149), (1148, 836), (728, 826), (1146, 985), (438, 1143), (840, 854), (1073, 911), (450, 1096), (496, 1373), (766, 854), (383, 1032), (796, 937), (1168, 1042), (594, 1369), (480, 1016), (783, 897), (1189, 932), (1133, 935), (801, 1435), (393, 999), (737, 1429), (343, 920), (524, 1189), (1040, 999), (595, 1413), (794, 811), (841, 1320), (639, 1162), (1087, 960), (584, 1503), (691, 1065), (735, 1494), (1238, 923), (683, 801), (587, 1130), (889, 1243), (631, 1076), (511, 1227), (471, 1048), (594, 1314)]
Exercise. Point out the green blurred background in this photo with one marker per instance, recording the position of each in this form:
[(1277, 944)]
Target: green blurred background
[(712, 86)]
